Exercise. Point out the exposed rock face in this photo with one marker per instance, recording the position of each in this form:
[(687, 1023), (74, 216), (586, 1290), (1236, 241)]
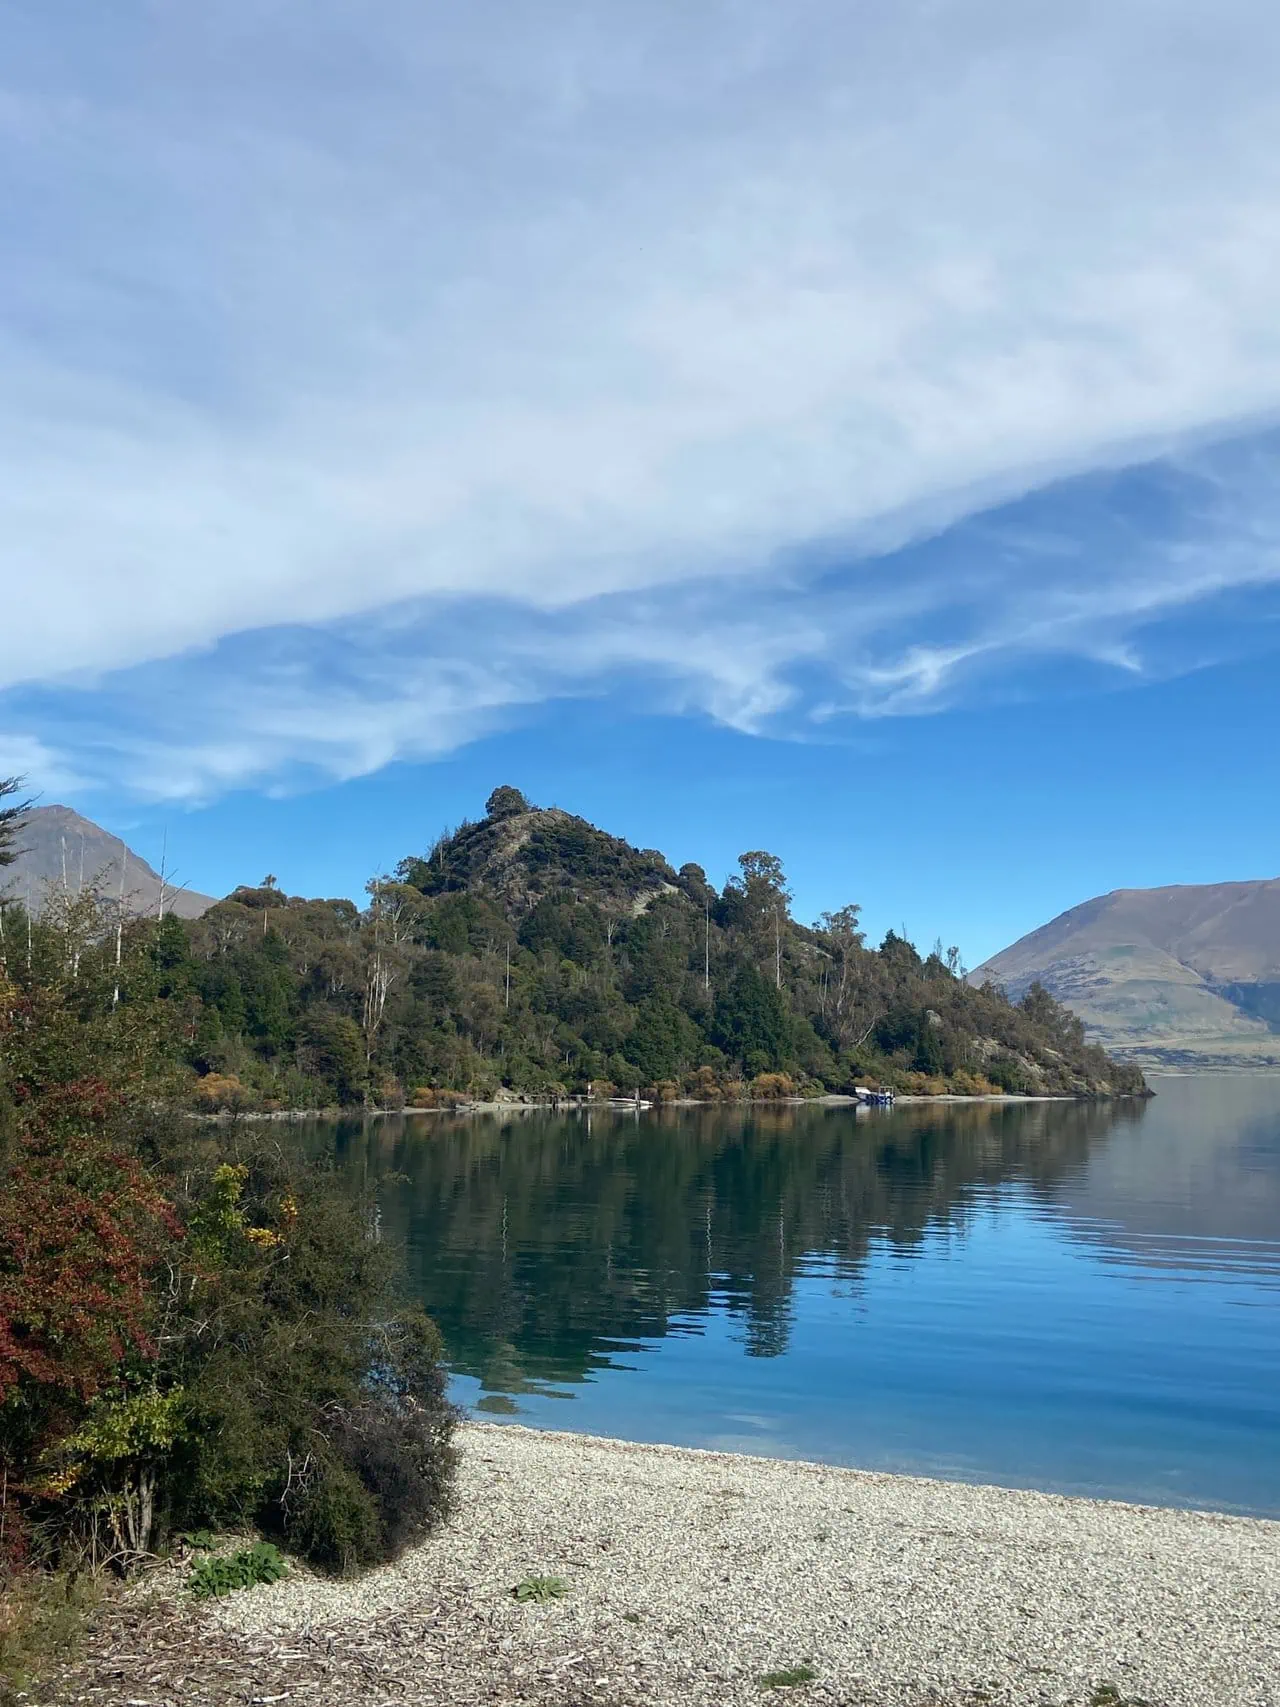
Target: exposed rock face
[(1188, 974), (57, 845)]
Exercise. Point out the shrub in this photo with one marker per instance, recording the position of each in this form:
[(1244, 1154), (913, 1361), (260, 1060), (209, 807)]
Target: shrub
[(81, 1226), (388, 1094), (222, 1093), (314, 1396), (334, 1520), (704, 1084), (399, 1459), (195, 1326), (226, 1572), (768, 1085)]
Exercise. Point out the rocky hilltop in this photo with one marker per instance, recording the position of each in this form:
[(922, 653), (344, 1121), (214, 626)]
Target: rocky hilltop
[(56, 846), (517, 854), (1185, 975)]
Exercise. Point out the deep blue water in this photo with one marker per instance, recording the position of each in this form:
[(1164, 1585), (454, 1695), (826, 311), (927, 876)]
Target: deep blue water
[(1061, 1296)]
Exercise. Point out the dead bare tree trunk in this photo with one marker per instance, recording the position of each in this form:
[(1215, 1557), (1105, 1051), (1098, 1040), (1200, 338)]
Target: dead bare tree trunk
[(115, 994)]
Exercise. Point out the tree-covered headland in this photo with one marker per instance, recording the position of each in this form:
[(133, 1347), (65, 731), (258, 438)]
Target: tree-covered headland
[(532, 954)]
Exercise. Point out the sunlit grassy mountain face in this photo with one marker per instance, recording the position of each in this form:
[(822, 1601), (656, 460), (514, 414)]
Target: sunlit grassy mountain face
[(1184, 974)]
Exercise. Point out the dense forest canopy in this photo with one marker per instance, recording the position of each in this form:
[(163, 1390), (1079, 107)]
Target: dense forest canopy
[(532, 954)]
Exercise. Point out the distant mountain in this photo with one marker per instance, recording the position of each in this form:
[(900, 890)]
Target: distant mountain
[(57, 845), (1185, 975)]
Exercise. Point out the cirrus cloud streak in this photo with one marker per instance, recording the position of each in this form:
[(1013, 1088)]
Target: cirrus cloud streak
[(477, 359)]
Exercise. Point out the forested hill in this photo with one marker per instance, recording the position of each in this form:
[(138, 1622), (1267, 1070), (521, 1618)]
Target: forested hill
[(532, 954)]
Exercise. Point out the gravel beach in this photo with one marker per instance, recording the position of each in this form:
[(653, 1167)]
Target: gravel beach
[(693, 1575)]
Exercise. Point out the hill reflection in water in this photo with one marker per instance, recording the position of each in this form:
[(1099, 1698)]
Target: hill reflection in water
[(948, 1289)]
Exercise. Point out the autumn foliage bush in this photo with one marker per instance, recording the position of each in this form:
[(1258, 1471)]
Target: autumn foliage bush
[(82, 1225), (222, 1093), (770, 1085), (193, 1331)]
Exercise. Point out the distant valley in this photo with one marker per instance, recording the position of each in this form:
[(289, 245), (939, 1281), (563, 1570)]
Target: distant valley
[(1182, 976)]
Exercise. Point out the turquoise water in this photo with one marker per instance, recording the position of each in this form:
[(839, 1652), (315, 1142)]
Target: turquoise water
[(1061, 1296)]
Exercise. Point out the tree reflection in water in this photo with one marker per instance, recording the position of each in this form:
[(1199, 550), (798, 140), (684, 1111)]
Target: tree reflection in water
[(548, 1245)]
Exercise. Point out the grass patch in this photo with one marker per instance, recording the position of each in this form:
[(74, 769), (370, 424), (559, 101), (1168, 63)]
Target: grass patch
[(214, 1577), (541, 1589), (1107, 1695), (42, 1616), (791, 1678)]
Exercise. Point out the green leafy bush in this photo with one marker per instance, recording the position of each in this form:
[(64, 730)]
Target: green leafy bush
[(226, 1572), (335, 1520), (314, 1396)]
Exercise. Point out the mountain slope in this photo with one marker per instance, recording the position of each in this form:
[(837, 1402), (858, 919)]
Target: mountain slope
[(57, 845), (1189, 973)]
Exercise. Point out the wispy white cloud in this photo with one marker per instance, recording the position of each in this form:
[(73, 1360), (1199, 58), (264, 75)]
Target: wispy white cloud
[(1140, 575), (396, 324), (26, 756)]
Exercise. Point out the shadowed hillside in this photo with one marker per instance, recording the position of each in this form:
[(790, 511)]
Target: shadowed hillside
[(56, 846)]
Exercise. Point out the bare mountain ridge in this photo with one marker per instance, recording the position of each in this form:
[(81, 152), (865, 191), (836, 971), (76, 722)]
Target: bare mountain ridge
[(57, 845), (1188, 973)]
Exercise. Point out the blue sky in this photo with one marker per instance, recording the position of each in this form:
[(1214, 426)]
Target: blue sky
[(846, 429)]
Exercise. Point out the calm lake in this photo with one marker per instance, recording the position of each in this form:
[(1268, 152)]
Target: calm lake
[(1064, 1296)]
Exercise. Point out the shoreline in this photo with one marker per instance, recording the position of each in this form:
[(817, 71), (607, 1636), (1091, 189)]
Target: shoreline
[(693, 1575), (620, 1105)]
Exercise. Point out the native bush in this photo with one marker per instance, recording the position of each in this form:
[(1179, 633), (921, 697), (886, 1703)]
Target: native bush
[(400, 1453), (380, 1481), (227, 1572), (193, 1331), (314, 1394)]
